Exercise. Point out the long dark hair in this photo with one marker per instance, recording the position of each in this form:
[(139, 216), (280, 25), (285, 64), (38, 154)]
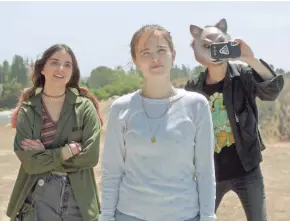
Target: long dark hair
[(38, 80)]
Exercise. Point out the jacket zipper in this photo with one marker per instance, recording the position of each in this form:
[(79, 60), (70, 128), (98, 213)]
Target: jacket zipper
[(237, 119)]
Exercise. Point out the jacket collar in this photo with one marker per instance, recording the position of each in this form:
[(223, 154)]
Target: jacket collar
[(230, 74), (72, 97)]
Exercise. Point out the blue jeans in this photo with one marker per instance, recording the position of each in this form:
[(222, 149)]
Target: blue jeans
[(251, 192), (123, 217), (52, 200)]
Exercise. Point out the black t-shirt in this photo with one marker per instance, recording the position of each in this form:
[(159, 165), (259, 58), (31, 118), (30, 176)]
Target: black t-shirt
[(227, 162)]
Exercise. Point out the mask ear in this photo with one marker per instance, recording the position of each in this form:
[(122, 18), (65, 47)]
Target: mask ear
[(222, 25), (195, 31)]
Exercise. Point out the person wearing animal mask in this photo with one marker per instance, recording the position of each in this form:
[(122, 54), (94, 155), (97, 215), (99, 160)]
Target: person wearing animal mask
[(231, 88)]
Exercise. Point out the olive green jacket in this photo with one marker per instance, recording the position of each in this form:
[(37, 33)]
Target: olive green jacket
[(78, 122)]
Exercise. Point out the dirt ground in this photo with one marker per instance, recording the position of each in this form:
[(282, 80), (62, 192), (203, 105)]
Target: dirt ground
[(276, 168)]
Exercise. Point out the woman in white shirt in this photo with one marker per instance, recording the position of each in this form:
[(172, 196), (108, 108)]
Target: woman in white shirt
[(158, 156)]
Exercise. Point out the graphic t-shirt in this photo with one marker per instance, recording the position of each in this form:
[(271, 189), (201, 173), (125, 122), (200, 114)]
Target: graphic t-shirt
[(227, 162)]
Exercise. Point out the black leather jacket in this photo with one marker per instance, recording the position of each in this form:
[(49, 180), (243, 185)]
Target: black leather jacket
[(241, 87)]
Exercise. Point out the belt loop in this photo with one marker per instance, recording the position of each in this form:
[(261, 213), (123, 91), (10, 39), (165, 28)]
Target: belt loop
[(48, 177)]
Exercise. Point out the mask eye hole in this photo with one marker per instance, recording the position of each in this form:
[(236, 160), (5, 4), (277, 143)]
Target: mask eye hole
[(206, 45)]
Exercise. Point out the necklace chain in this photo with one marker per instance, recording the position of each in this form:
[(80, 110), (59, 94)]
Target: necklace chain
[(58, 96), (153, 138)]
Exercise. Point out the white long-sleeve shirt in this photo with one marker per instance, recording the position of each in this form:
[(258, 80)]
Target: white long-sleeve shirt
[(172, 179)]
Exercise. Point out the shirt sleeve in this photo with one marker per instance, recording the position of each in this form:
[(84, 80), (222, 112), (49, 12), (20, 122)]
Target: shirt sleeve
[(204, 163), (112, 164)]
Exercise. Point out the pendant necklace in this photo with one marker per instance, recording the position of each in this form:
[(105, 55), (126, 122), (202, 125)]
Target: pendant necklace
[(153, 137)]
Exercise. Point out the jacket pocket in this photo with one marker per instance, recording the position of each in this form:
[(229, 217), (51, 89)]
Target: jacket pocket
[(247, 124), (75, 136)]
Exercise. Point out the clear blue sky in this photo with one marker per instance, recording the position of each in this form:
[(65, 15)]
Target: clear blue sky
[(100, 33)]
